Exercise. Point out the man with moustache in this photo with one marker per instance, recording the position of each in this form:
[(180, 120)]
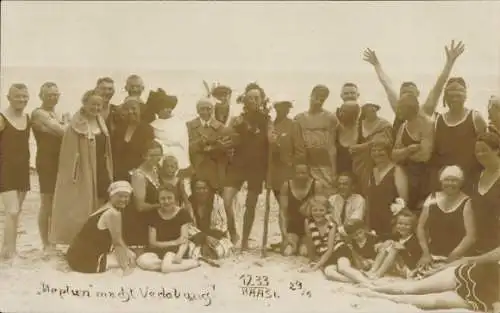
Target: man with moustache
[(314, 139), (14, 163), (207, 153), (48, 129), (429, 106)]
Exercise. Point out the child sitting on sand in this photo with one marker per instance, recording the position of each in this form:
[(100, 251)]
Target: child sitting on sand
[(169, 248), (355, 254), (168, 176), (400, 253), (320, 234)]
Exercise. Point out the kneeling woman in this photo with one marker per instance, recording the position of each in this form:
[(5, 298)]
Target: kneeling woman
[(168, 247), (101, 234)]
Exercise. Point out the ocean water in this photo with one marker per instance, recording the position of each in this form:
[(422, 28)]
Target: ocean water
[(188, 86)]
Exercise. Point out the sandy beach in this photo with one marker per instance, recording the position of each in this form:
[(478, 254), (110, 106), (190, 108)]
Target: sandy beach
[(31, 284)]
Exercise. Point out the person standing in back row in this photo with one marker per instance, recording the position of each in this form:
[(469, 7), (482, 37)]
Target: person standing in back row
[(250, 134), (14, 163), (455, 136), (314, 139), (48, 129)]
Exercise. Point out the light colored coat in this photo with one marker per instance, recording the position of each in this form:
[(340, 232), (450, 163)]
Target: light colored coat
[(75, 196)]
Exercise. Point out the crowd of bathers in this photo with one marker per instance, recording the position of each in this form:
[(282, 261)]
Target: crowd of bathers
[(132, 185)]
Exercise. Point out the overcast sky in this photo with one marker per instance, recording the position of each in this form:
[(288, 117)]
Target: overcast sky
[(326, 36)]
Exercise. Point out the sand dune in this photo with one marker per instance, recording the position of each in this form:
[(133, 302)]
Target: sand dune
[(31, 284)]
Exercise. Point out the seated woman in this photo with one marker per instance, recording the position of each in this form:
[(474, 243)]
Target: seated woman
[(210, 232), (486, 193), (168, 176), (400, 253), (168, 249), (388, 181), (145, 182), (354, 255), (471, 283), (293, 195), (99, 244), (446, 229)]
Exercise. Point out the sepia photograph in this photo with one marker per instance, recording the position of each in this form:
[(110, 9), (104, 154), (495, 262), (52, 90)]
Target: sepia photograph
[(244, 156)]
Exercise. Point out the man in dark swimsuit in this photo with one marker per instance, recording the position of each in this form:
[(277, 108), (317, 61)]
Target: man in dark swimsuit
[(48, 129), (250, 132)]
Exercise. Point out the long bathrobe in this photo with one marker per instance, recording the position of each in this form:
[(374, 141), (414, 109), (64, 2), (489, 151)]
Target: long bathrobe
[(75, 196)]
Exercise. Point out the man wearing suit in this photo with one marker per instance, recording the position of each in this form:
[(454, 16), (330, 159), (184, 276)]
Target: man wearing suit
[(207, 149)]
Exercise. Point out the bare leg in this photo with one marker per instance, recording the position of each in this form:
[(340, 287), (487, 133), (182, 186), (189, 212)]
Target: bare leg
[(331, 273), (379, 259), (345, 268), (439, 282), (167, 265), (229, 196), (12, 202), (44, 217), (387, 263), (249, 217), (432, 301)]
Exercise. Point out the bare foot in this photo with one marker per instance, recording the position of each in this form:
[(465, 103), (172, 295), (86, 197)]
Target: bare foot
[(7, 254), (49, 251), (234, 238)]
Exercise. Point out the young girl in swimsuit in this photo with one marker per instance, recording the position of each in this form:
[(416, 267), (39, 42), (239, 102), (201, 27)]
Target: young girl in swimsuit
[(400, 253), (168, 176)]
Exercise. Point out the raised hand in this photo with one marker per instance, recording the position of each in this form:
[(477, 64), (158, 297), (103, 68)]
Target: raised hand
[(370, 57), (453, 51)]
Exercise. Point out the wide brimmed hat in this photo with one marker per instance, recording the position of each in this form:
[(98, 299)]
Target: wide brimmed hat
[(218, 88), (159, 100)]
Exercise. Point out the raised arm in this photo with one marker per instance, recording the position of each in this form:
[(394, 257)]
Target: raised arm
[(470, 234), (452, 53), (392, 95)]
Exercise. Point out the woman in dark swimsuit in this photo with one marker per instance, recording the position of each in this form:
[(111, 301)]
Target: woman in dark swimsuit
[(446, 229), (455, 136), (130, 140), (14, 163), (145, 182), (347, 135), (388, 181), (168, 228), (293, 195), (486, 194), (99, 246)]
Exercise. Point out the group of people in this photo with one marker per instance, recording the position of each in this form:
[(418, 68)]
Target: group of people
[(361, 197)]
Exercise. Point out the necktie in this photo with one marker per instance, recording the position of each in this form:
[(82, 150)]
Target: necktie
[(342, 213)]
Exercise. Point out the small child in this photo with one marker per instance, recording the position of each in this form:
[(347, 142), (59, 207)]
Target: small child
[(354, 255), (320, 235), (168, 176), (400, 253)]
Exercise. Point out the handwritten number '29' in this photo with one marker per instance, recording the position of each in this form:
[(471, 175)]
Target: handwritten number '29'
[(254, 280)]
